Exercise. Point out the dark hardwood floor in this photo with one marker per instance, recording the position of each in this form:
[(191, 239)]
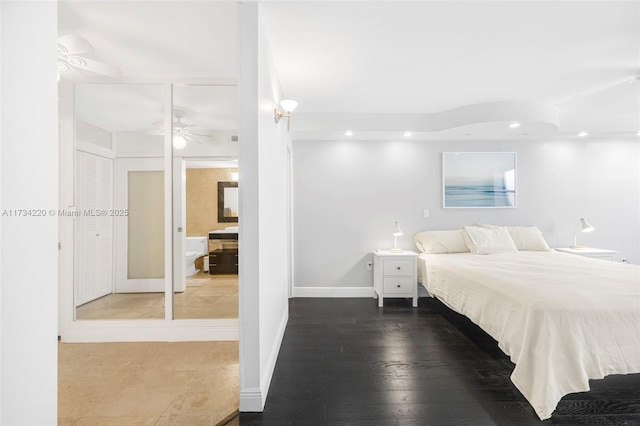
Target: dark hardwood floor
[(348, 362)]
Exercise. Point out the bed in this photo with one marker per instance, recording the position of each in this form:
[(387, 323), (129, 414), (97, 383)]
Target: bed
[(562, 319)]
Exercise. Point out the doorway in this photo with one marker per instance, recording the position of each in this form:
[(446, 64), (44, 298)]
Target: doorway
[(209, 290)]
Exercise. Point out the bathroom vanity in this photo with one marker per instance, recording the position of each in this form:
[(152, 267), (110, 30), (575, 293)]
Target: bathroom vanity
[(224, 260)]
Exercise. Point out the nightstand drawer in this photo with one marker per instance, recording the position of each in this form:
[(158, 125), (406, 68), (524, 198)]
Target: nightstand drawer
[(395, 275), (400, 285), (397, 267)]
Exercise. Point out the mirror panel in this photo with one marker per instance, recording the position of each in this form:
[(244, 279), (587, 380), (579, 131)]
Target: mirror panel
[(202, 289), (119, 257), (119, 196)]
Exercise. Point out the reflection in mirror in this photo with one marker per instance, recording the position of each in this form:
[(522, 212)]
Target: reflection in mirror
[(202, 288), (119, 196), (227, 201)]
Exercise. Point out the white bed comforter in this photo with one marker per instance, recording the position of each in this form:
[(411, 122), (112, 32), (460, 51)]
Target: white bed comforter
[(563, 319)]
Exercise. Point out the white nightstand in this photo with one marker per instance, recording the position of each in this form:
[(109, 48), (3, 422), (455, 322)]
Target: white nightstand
[(589, 252), (395, 274)]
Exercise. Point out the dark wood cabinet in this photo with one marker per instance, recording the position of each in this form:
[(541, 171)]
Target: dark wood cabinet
[(223, 261)]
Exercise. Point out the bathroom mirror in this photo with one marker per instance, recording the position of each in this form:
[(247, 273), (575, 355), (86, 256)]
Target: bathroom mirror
[(227, 201)]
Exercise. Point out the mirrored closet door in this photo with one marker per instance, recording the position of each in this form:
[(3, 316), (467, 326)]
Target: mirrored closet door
[(205, 157), (121, 181), (119, 268)]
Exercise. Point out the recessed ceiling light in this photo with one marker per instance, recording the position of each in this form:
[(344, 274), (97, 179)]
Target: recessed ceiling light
[(583, 134), (348, 133), (514, 125), (524, 134), (467, 134), (407, 134)]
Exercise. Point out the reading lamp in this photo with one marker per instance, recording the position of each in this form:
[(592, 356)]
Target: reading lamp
[(584, 226), (397, 232), (287, 106)]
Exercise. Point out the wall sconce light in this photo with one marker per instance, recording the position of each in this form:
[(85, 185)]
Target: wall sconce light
[(287, 106), (583, 226), (397, 232)]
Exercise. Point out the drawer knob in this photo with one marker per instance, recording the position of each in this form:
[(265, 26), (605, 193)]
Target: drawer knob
[(398, 285), (398, 268)]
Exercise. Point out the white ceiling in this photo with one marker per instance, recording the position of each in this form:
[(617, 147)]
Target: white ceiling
[(432, 57), (156, 42), (172, 41), (415, 63)]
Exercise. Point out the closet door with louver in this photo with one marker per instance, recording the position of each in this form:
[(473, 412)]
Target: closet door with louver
[(94, 230)]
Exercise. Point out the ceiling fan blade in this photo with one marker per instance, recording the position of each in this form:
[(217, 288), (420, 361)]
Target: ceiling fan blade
[(200, 134), (96, 67), (181, 125), (71, 74), (191, 138), (74, 45)]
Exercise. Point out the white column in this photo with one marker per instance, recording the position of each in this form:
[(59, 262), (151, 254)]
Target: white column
[(251, 397), (29, 232), (263, 213)]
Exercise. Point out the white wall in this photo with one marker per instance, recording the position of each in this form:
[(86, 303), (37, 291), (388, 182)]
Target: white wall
[(29, 180), (347, 195), (263, 219)]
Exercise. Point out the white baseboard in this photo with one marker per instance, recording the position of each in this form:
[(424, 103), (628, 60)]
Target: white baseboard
[(422, 292), (343, 292), (273, 357), (251, 400), (333, 292)]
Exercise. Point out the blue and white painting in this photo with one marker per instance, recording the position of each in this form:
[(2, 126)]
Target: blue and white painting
[(479, 179)]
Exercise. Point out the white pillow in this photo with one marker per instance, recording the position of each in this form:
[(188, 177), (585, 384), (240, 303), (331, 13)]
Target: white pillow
[(525, 238), (438, 242), (528, 238), (481, 240)]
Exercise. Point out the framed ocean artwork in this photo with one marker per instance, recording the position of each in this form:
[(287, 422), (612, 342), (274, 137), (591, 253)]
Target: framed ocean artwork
[(479, 179)]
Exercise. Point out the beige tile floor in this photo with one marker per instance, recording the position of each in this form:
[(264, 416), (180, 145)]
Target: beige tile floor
[(206, 296), (189, 383)]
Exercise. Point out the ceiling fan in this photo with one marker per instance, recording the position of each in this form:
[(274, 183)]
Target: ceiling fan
[(73, 66), (181, 131)]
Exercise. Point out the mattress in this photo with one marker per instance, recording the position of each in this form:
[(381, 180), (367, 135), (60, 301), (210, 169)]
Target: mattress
[(562, 319)]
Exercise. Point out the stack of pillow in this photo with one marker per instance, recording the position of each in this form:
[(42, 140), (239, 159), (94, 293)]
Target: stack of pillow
[(482, 239)]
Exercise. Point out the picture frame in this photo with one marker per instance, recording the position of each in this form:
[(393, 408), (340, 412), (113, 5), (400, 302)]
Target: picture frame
[(479, 180)]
